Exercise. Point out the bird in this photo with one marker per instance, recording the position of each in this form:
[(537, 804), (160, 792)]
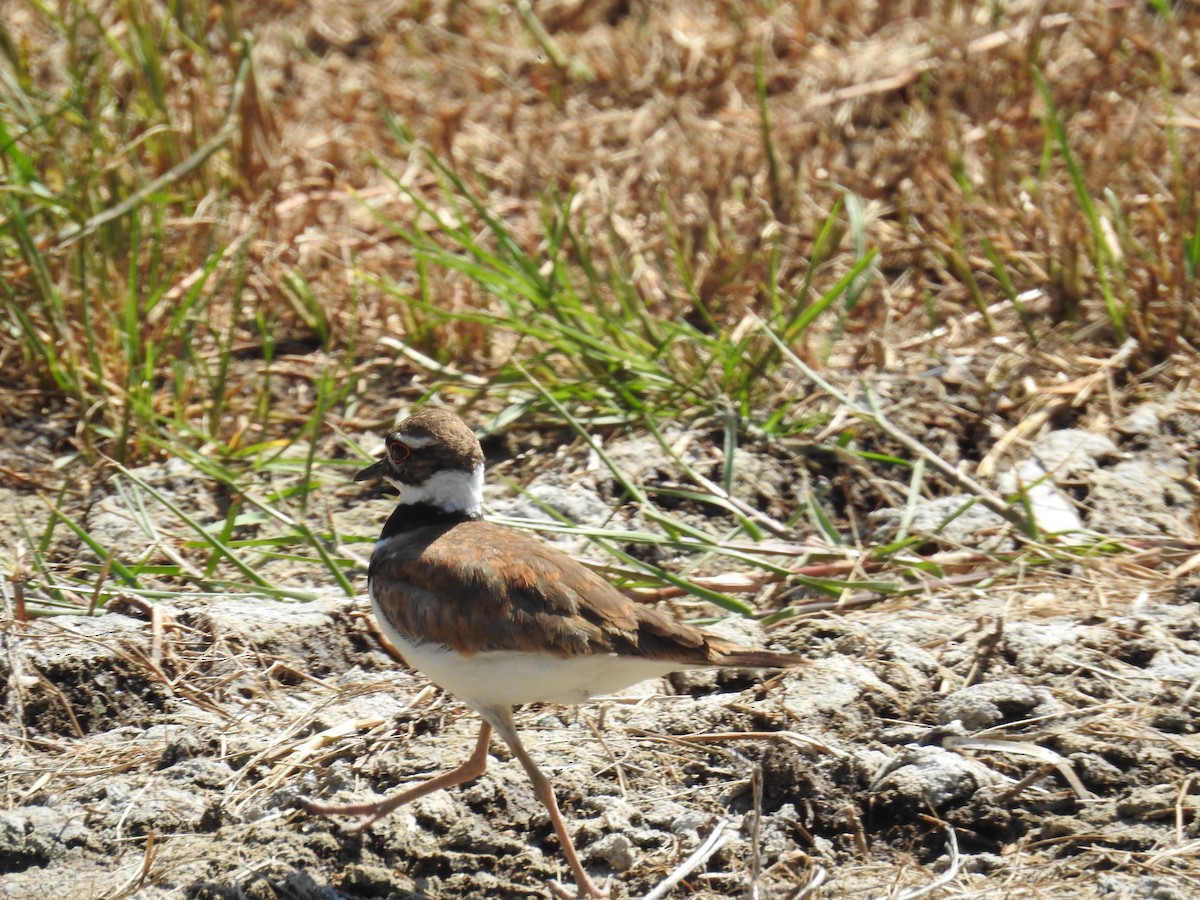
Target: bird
[(500, 619)]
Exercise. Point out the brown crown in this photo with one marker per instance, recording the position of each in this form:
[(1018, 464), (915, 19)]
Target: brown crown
[(427, 442)]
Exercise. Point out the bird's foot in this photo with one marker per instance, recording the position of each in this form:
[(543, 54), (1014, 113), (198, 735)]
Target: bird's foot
[(585, 890), (366, 813)]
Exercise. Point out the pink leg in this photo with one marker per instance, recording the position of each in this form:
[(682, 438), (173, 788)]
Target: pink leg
[(369, 813), (501, 719)]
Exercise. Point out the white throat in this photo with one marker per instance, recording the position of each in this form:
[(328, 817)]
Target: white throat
[(451, 490)]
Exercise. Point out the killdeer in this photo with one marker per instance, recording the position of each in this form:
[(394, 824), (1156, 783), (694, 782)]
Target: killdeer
[(500, 619)]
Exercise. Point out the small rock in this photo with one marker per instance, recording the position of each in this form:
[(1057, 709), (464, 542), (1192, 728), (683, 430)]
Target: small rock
[(980, 706), (1142, 496), (1146, 419), (957, 519), (1072, 452), (1148, 887), (1052, 510), (1157, 802), (923, 777), (687, 826), (614, 849)]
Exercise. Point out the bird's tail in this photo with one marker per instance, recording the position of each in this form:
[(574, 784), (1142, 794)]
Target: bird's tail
[(744, 657)]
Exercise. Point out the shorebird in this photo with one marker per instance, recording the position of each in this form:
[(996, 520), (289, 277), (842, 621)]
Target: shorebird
[(500, 619)]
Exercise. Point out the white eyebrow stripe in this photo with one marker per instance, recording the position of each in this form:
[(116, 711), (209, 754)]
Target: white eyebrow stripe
[(417, 441)]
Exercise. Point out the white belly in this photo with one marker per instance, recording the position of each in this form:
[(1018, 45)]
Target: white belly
[(516, 677)]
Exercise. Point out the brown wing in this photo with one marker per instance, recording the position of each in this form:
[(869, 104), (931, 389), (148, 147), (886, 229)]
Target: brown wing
[(481, 587)]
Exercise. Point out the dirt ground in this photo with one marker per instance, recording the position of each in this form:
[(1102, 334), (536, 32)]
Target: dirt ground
[(1027, 736), (1048, 724)]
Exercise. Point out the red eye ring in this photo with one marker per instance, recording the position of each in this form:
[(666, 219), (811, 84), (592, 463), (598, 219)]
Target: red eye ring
[(398, 451)]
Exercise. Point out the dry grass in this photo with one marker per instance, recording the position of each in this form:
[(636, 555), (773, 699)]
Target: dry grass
[(925, 118), (926, 113)]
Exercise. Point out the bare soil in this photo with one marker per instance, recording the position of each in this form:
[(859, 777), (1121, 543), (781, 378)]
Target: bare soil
[(1049, 724)]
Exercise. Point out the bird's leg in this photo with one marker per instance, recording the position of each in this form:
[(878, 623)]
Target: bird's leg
[(501, 719), (369, 813)]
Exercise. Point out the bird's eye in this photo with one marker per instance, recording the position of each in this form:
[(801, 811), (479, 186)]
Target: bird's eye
[(398, 451)]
